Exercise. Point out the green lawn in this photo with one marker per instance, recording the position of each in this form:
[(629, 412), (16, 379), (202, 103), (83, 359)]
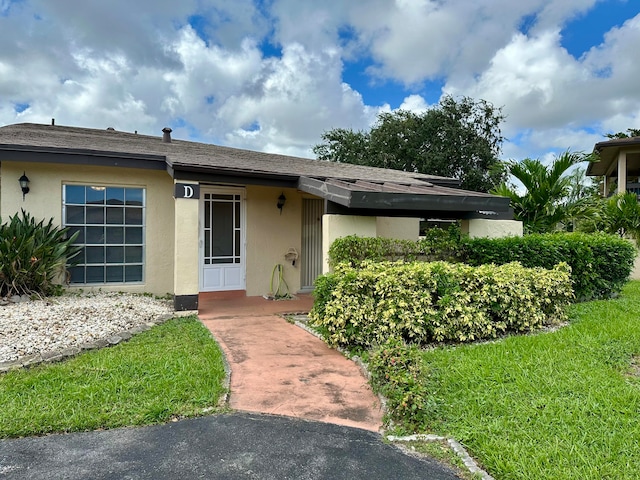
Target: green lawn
[(562, 405), (173, 370)]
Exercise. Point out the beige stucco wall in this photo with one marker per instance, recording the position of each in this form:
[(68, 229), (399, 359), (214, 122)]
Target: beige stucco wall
[(336, 226), (186, 265), (44, 201), (399, 228), (492, 228), (269, 235), (635, 273)]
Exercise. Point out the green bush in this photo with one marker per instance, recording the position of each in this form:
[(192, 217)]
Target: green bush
[(398, 373), (600, 263), (33, 255), (434, 302), (437, 244)]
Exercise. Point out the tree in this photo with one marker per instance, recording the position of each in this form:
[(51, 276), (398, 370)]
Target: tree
[(631, 132), (457, 138), (553, 198), (620, 214)]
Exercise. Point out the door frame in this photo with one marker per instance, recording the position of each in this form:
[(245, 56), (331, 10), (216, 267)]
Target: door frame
[(222, 190)]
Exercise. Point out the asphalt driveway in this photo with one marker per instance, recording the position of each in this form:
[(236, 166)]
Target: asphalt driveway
[(233, 446)]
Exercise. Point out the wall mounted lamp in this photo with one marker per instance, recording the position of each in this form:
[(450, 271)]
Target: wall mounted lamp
[(24, 184), (281, 200)]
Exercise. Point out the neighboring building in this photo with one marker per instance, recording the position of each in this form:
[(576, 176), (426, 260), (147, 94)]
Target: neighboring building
[(161, 215), (619, 164)]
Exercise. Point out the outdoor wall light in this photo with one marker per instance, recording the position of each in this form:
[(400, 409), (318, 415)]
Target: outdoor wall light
[(24, 184), (281, 200)]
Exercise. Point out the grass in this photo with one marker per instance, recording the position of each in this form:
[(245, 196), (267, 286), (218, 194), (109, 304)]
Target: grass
[(173, 370), (441, 451), (561, 405)]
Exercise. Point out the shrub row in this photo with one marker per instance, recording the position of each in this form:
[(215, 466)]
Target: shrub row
[(437, 244), (600, 263), (434, 302)]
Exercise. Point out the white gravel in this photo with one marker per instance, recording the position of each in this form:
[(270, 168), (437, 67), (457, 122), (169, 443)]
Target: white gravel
[(56, 323)]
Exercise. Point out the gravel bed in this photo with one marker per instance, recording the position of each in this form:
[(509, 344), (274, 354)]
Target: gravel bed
[(56, 323)]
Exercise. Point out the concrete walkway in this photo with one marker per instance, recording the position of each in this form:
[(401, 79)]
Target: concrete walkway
[(278, 368)]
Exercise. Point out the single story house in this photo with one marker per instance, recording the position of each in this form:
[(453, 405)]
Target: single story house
[(619, 163), (161, 215)]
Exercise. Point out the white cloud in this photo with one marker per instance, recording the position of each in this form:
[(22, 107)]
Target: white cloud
[(141, 66), (558, 97)]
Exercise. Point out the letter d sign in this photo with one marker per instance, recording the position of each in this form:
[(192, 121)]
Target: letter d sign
[(186, 190)]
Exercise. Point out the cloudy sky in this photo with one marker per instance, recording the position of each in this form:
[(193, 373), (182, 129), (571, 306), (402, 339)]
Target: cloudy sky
[(272, 75)]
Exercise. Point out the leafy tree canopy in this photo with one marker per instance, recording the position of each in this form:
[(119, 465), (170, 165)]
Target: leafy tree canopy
[(457, 138), (631, 132)]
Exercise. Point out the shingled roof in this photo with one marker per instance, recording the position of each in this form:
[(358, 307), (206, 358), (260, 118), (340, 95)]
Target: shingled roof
[(608, 151), (351, 186)]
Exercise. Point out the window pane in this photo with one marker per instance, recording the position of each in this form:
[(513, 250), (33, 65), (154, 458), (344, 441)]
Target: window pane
[(95, 235), (95, 215), (133, 196), (75, 215), (115, 235), (133, 273), (77, 274), (95, 275), (222, 229), (74, 194), (237, 252), (115, 254), (115, 196), (115, 273), (133, 216), (133, 235), (222, 197), (218, 261), (237, 224), (133, 255), (207, 243), (95, 195), (115, 216), (95, 254), (80, 230), (80, 258)]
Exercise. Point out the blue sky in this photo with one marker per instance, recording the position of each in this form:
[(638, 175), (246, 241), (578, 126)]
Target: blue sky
[(273, 75)]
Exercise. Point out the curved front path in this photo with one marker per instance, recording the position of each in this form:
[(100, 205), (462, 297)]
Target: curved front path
[(279, 368)]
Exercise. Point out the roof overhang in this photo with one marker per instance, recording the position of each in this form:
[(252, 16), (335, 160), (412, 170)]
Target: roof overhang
[(73, 156), (608, 153), (395, 199)]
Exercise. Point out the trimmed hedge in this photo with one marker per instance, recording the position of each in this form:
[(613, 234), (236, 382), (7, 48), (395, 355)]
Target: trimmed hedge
[(437, 244), (600, 263), (434, 302)]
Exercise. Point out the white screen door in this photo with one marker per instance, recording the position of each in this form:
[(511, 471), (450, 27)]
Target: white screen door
[(222, 256)]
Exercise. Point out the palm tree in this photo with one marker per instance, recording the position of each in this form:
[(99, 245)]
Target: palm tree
[(621, 215), (547, 203)]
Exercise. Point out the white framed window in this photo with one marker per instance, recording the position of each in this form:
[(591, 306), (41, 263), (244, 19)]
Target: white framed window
[(110, 222)]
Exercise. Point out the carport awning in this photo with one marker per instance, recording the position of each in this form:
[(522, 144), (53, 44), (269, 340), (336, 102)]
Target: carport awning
[(389, 196)]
